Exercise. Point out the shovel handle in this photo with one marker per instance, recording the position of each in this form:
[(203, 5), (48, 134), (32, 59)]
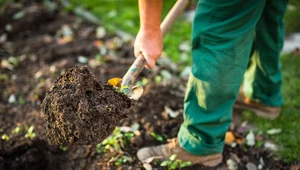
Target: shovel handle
[(134, 70), (139, 63)]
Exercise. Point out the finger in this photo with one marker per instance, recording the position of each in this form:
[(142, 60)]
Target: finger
[(150, 62), (137, 51)]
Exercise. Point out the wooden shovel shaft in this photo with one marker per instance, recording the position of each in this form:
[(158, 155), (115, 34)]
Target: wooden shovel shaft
[(139, 63)]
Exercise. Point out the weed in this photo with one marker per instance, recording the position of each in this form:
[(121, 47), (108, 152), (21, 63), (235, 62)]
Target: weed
[(123, 159), (5, 137), (13, 61), (115, 142), (4, 77), (174, 163), (29, 132), (158, 137), (17, 130), (63, 148), (21, 100)]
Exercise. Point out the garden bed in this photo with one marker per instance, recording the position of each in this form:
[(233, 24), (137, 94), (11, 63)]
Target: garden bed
[(37, 50)]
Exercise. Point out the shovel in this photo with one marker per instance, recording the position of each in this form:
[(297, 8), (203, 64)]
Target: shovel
[(80, 110), (126, 83)]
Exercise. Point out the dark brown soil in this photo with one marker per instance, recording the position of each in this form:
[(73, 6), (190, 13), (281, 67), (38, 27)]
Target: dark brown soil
[(81, 110)]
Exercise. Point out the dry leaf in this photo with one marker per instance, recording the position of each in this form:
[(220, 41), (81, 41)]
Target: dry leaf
[(6, 64), (229, 138), (64, 40), (172, 113), (98, 43), (240, 141), (273, 131), (115, 82), (250, 139), (271, 146)]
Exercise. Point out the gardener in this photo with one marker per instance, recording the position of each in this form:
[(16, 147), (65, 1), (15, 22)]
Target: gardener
[(224, 32)]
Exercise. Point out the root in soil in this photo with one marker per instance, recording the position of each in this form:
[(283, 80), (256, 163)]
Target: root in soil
[(80, 110)]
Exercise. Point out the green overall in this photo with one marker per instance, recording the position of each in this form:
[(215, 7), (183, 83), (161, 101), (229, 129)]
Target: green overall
[(224, 32)]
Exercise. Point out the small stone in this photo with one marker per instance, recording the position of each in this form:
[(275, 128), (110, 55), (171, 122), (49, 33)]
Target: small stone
[(231, 165), (38, 74), (185, 46), (100, 32), (53, 69), (82, 59), (233, 145), (12, 99), (251, 166), (6, 64), (8, 28)]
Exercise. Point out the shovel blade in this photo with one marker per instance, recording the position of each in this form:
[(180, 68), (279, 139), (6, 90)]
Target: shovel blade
[(137, 92)]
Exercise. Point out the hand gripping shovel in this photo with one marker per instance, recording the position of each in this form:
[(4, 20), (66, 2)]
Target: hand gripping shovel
[(126, 84)]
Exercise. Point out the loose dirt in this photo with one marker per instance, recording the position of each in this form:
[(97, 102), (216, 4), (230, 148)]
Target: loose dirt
[(81, 110)]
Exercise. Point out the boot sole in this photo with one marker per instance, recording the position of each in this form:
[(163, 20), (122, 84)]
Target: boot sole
[(213, 163), (258, 112)]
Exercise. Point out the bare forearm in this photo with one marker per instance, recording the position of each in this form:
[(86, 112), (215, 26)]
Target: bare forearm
[(150, 14), (149, 39)]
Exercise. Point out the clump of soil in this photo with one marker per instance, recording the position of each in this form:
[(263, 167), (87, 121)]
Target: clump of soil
[(81, 110)]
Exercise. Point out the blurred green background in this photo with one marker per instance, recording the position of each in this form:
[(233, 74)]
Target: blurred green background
[(120, 14)]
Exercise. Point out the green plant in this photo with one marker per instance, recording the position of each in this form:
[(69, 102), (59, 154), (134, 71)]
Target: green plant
[(14, 61), (29, 132), (63, 148), (174, 163), (4, 77), (21, 100), (115, 142), (122, 159), (158, 137), (17, 130), (5, 137)]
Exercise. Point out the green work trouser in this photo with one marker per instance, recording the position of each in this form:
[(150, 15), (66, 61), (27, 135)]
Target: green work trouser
[(223, 36)]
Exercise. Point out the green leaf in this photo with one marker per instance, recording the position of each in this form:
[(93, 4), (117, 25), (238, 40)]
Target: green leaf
[(30, 130), (19, 15), (157, 137), (17, 130), (4, 77), (185, 164), (63, 148), (164, 163), (5, 137), (172, 157), (173, 165)]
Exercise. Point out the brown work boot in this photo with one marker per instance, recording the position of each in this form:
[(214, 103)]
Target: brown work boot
[(166, 150), (243, 102)]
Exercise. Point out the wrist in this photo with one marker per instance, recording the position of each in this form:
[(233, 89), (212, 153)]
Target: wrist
[(150, 29)]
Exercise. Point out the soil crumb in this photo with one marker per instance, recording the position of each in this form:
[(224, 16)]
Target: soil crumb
[(80, 110)]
